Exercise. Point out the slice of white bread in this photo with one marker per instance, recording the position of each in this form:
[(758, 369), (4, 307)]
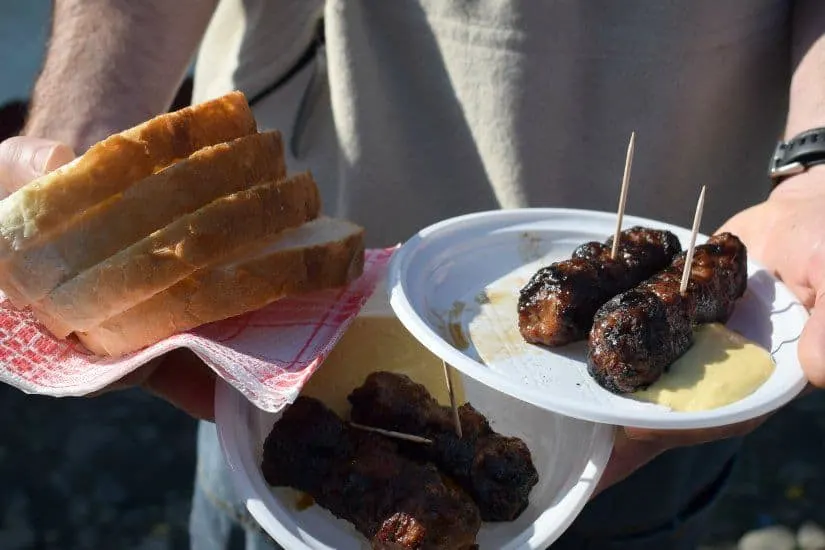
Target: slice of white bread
[(204, 237), (48, 204), (146, 206), (321, 254)]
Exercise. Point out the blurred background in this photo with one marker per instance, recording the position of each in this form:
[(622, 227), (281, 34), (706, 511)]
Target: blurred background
[(117, 471)]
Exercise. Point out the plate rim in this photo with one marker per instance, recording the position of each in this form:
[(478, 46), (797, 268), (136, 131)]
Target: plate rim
[(232, 409), (638, 418)]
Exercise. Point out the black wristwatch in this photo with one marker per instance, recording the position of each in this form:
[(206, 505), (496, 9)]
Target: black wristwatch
[(797, 155)]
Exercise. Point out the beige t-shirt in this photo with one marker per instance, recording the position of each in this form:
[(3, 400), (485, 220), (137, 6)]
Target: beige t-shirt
[(425, 109)]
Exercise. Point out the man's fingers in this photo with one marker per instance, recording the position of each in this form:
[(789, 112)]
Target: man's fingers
[(812, 344), (668, 439), (24, 158), (635, 447), (183, 380), (178, 377), (627, 456), (134, 378)]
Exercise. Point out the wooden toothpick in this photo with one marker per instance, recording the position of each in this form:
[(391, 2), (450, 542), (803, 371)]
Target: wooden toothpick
[(450, 390), (390, 433), (623, 194), (697, 218)]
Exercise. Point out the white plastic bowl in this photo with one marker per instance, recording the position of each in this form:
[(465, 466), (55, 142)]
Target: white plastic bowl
[(569, 454)]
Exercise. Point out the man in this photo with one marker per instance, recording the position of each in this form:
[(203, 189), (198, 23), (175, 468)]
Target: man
[(414, 111)]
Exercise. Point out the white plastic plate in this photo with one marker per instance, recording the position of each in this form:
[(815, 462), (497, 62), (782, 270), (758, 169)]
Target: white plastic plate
[(569, 454), (436, 278)]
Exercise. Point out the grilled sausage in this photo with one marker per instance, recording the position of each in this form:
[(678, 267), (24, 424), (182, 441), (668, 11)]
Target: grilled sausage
[(557, 305), (638, 334)]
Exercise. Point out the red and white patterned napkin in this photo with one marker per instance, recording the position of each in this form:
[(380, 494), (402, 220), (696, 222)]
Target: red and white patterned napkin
[(267, 355)]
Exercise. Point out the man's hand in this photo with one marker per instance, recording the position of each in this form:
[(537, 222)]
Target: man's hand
[(178, 377), (786, 234)]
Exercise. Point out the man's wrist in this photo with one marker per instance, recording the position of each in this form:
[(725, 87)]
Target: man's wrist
[(811, 182)]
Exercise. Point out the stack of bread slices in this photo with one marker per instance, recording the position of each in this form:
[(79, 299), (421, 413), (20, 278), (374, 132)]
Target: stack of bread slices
[(186, 219)]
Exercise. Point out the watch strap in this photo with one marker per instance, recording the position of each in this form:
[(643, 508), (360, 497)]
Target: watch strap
[(797, 154)]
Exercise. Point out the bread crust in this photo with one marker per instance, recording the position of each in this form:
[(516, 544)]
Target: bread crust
[(48, 204), (171, 254), (146, 206), (231, 289)]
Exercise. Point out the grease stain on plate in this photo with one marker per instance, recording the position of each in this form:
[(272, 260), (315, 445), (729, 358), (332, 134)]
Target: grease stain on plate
[(449, 325), (304, 501)]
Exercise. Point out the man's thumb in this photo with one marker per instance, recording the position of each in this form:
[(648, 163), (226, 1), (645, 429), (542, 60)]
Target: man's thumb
[(24, 158)]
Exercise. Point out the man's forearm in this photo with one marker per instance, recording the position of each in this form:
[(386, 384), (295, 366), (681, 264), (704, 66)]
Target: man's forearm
[(807, 93), (111, 64)]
